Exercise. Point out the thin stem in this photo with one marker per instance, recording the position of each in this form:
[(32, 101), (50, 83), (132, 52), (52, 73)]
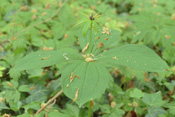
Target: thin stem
[(90, 41), (89, 113), (51, 100)]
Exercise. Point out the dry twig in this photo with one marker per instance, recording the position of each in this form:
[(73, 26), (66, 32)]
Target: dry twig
[(51, 100)]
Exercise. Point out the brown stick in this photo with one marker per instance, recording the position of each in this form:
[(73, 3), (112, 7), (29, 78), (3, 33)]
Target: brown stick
[(51, 100), (36, 24)]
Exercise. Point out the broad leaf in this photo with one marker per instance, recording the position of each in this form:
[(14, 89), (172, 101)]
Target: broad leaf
[(155, 111), (24, 88), (3, 106), (136, 93), (39, 94), (171, 107), (72, 110), (45, 58), (32, 105), (154, 99), (133, 56), (15, 106), (90, 82)]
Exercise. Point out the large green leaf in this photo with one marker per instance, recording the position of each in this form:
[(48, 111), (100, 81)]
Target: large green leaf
[(134, 56), (45, 58), (92, 82)]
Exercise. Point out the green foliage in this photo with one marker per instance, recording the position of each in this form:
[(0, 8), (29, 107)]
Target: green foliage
[(134, 56), (45, 58), (153, 99), (136, 93), (1, 69), (108, 53), (3, 106), (91, 81), (39, 94)]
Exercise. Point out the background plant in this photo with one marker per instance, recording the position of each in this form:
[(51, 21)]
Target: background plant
[(30, 87)]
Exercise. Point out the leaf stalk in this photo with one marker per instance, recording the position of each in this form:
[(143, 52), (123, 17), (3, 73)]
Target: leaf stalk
[(89, 113), (90, 39)]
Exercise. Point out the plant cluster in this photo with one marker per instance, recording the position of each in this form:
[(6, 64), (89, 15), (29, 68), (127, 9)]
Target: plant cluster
[(92, 58)]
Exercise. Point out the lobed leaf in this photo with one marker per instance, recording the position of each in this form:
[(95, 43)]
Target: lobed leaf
[(154, 99)]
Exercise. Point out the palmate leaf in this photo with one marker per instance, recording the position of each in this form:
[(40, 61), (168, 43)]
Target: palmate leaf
[(154, 99), (155, 112), (90, 82), (45, 58), (134, 56)]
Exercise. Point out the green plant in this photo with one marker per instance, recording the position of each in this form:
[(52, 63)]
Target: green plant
[(85, 76)]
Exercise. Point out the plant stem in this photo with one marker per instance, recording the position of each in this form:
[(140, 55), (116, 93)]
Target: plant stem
[(90, 41), (89, 113), (51, 100)]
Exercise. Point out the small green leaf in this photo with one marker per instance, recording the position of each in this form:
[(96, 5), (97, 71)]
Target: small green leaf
[(90, 82), (136, 93), (32, 105), (14, 95), (171, 107), (1, 69), (134, 56), (24, 88), (72, 110), (55, 85), (15, 106), (117, 113), (56, 113), (96, 27), (86, 28), (3, 106), (24, 115)]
